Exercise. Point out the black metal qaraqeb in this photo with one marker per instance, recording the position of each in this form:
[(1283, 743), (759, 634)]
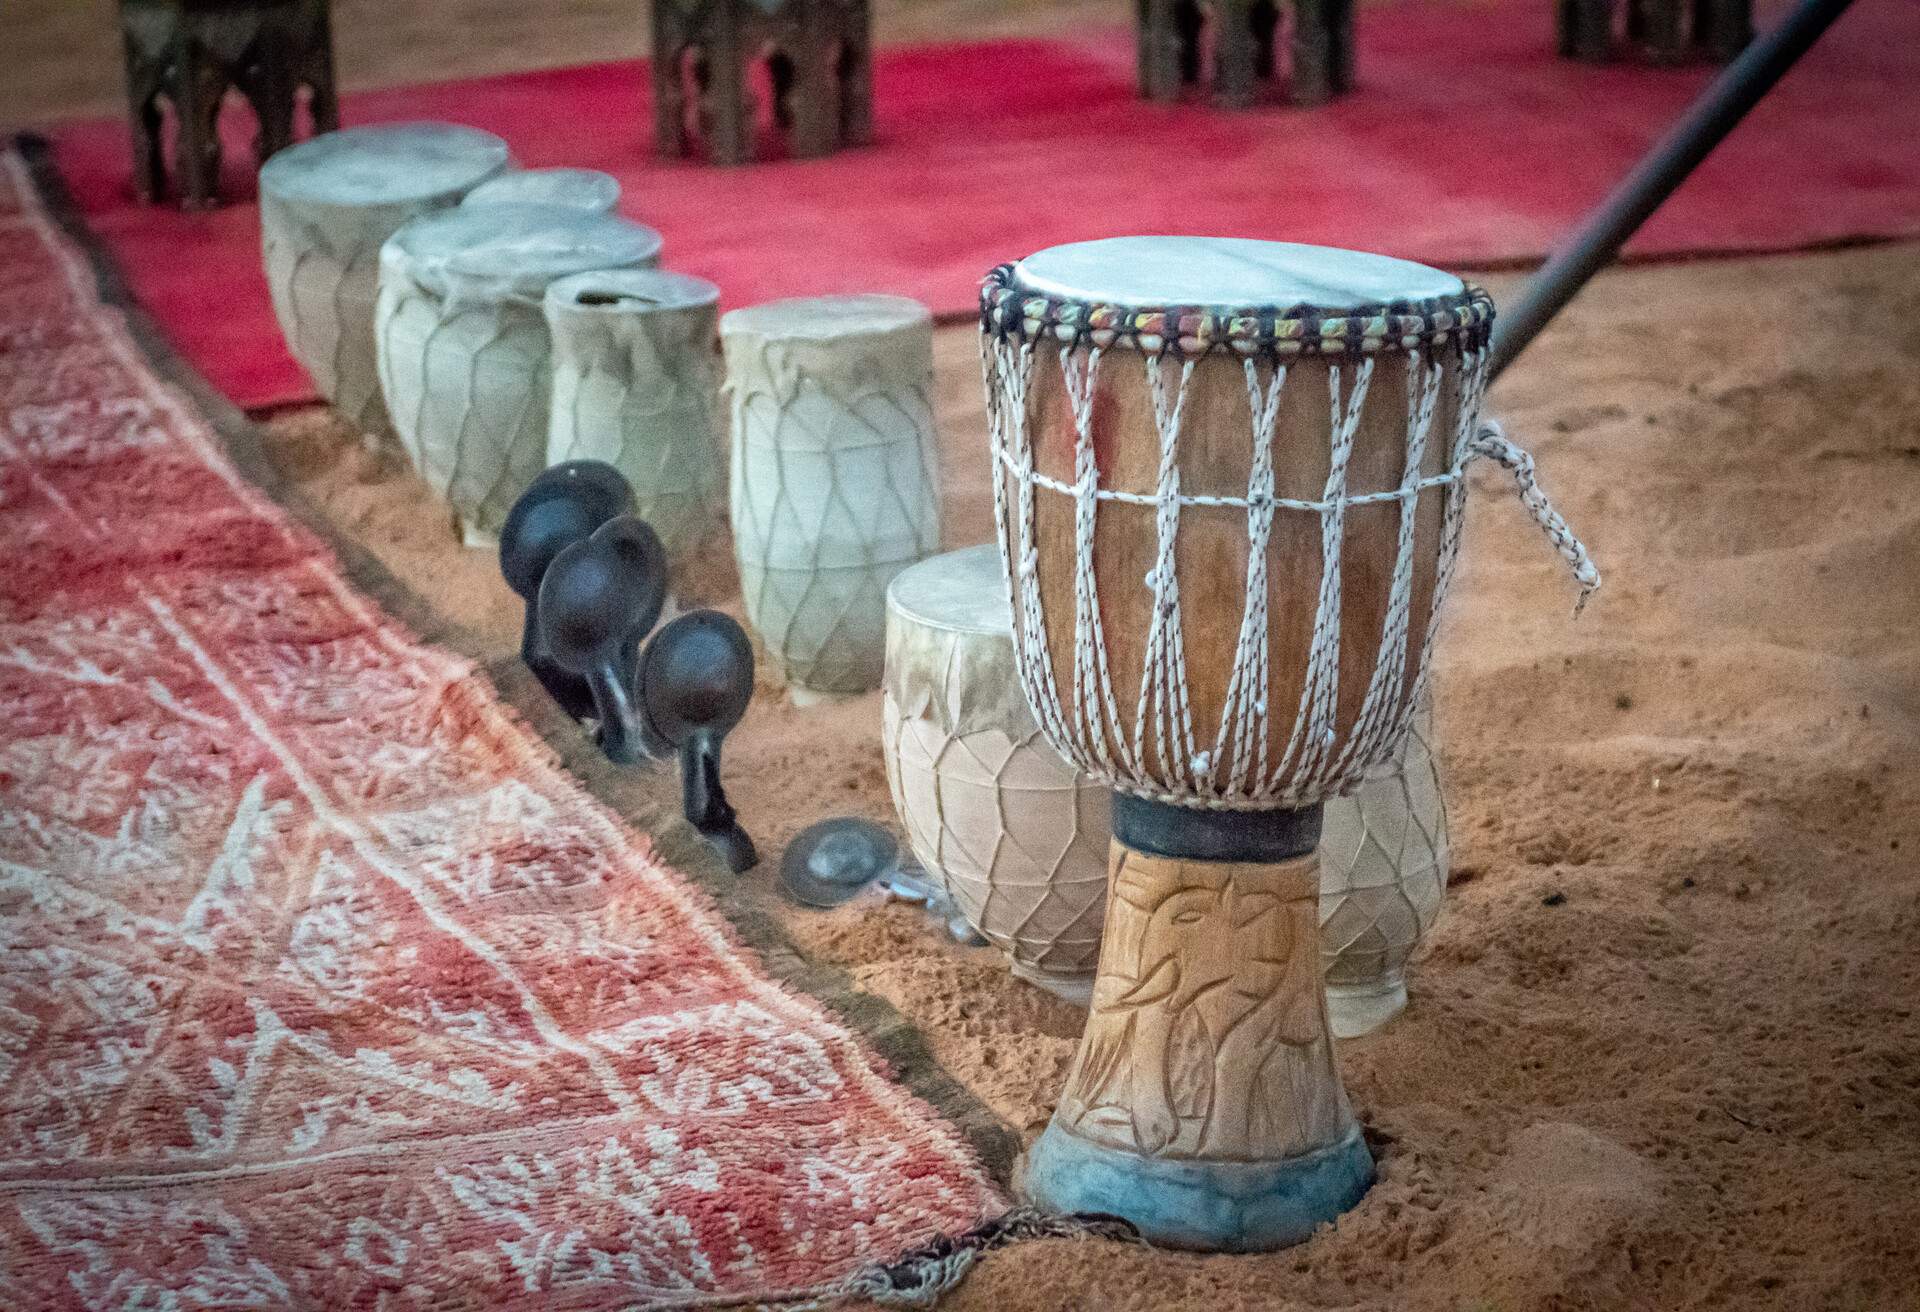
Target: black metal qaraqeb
[(595, 581)]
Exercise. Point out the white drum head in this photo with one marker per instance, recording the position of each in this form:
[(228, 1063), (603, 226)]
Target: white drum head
[(516, 249), (389, 164), (963, 591), (582, 189), (1226, 273)]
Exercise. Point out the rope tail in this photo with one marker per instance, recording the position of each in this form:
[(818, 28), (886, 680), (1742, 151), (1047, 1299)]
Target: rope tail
[(1492, 443)]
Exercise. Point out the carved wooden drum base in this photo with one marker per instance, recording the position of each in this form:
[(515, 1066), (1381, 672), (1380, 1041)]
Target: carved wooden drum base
[(1204, 1104)]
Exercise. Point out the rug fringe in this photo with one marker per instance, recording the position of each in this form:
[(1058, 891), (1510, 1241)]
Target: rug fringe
[(921, 1277)]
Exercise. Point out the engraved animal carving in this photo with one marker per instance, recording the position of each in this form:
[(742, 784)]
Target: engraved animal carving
[(1207, 1035)]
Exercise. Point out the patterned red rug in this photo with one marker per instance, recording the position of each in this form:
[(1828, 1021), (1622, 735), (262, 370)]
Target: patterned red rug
[(321, 984)]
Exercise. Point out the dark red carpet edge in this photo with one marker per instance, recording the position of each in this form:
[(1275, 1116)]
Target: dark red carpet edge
[(1466, 144)]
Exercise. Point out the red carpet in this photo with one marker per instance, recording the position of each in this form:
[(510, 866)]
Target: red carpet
[(1466, 143), (322, 984)]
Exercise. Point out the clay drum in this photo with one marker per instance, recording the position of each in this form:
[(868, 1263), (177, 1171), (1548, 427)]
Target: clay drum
[(636, 383), (464, 352), (834, 480), (1383, 871), (1016, 835), (326, 208)]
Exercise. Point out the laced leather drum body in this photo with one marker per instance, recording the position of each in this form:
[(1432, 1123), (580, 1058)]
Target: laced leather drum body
[(1229, 489), (326, 207), (464, 350)]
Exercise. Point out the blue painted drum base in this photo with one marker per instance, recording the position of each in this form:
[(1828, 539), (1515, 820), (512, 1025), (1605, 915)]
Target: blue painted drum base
[(1232, 1207)]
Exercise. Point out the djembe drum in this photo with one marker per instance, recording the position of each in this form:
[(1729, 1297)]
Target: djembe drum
[(1229, 492)]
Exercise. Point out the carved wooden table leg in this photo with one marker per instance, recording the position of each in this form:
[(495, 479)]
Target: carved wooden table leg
[(1234, 55), (1160, 48), (315, 68), (856, 75), (1658, 28), (814, 84), (1722, 28), (1340, 24), (1204, 1103), (1315, 59), (1265, 18), (726, 117), (199, 88), (1586, 30), (673, 51)]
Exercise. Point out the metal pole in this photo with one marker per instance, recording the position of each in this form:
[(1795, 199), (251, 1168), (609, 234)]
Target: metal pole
[(1720, 107)]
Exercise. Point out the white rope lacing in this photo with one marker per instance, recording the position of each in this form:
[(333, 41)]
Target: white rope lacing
[(1159, 750)]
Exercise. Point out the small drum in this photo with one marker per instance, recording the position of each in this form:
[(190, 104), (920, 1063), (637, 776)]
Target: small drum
[(636, 383), (1383, 870), (465, 355), (326, 207), (1017, 836), (582, 189), (834, 479), (1228, 489)]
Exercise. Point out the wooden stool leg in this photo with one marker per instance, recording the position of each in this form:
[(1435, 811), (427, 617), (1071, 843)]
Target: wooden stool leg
[(199, 89), (1586, 30), (1265, 18), (1722, 28), (1314, 60), (1233, 55), (1661, 31), (726, 113), (324, 102), (670, 43), (816, 108), (1340, 26), (856, 90), (1158, 49), (145, 121)]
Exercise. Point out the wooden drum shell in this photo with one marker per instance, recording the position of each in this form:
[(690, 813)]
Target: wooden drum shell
[(1211, 548)]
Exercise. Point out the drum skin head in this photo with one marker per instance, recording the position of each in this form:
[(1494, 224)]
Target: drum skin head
[(1226, 273), (387, 164)]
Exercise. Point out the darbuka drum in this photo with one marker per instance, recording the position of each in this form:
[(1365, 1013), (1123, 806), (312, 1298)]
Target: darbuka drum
[(1017, 837), (465, 354), (834, 485), (1229, 494), (1383, 871), (582, 189), (326, 207), (636, 383)]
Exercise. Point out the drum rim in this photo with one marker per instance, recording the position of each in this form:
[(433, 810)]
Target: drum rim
[(1014, 312)]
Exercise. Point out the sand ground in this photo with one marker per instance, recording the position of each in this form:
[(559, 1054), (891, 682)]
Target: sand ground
[(1693, 1077), (1663, 1049)]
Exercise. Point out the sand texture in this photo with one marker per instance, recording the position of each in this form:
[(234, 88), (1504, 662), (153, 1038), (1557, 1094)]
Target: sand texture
[(1663, 1049)]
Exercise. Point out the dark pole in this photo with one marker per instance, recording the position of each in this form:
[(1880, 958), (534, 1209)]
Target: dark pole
[(1722, 105)]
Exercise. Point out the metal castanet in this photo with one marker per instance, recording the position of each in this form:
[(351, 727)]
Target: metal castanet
[(565, 505), (598, 601), (696, 679)]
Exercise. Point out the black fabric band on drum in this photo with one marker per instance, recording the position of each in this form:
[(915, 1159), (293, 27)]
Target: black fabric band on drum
[(1196, 834)]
